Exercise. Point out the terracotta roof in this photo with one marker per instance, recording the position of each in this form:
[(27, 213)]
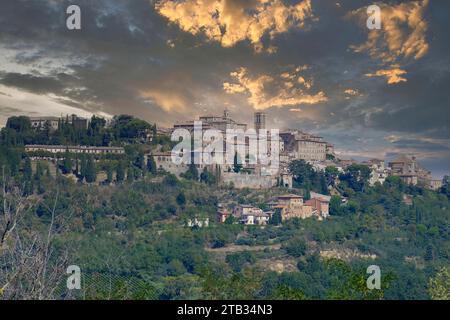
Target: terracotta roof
[(287, 196)]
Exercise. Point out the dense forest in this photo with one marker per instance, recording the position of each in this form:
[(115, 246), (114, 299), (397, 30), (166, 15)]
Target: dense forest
[(132, 237)]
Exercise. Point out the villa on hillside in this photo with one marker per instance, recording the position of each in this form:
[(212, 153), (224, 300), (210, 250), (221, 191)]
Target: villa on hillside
[(250, 215), (245, 214), (293, 206)]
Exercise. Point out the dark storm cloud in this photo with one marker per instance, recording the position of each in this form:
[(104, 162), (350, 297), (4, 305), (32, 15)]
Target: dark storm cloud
[(420, 105), (33, 83)]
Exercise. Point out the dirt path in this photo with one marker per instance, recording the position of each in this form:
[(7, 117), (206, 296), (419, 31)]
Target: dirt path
[(236, 248)]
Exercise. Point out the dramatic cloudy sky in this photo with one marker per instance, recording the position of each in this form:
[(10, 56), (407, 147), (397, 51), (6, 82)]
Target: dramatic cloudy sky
[(310, 64)]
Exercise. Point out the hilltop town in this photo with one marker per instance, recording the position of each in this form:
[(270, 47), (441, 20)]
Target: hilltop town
[(153, 153), (294, 145)]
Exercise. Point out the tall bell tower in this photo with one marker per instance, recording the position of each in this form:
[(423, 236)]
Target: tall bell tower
[(260, 121)]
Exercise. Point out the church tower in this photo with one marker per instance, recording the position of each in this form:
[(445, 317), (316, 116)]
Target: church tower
[(260, 121)]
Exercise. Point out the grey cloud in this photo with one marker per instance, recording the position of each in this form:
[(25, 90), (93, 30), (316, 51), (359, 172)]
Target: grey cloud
[(35, 84)]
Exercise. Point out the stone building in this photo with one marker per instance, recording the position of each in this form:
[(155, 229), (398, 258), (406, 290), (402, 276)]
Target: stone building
[(304, 146), (293, 206), (286, 179), (435, 184), (321, 208), (223, 215), (410, 171), (321, 203), (255, 218), (42, 122), (53, 123), (250, 215), (250, 181), (245, 209), (255, 175), (221, 123), (163, 161), (378, 171), (330, 149), (75, 149), (78, 122)]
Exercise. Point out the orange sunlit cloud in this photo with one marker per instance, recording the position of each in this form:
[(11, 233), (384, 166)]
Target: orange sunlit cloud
[(266, 91), (232, 21), (402, 36)]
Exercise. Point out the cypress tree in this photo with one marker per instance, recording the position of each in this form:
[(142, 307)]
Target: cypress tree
[(181, 199), (109, 172), (39, 171), (192, 173), (83, 168), (140, 161), (130, 174), (237, 167), (27, 170), (151, 165), (120, 172), (91, 174), (67, 163)]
